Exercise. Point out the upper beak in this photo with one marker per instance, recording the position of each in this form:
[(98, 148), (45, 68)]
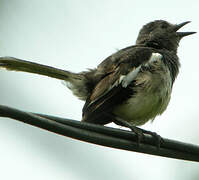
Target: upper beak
[(182, 34)]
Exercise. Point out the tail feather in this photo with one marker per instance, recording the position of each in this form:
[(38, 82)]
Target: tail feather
[(76, 81), (14, 64)]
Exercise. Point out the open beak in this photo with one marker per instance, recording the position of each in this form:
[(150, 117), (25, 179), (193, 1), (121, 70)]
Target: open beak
[(182, 34)]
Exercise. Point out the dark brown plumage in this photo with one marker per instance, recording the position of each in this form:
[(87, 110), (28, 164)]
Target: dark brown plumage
[(132, 85)]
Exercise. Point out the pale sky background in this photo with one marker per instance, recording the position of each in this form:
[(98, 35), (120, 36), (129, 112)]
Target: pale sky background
[(75, 35)]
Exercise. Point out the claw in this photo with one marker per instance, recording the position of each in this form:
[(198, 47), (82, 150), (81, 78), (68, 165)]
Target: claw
[(157, 137)]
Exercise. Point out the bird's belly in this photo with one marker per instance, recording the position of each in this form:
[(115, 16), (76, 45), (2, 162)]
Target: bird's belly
[(151, 98)]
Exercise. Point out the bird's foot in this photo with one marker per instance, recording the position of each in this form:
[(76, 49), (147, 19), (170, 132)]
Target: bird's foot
[(139, 132), (158, 139)]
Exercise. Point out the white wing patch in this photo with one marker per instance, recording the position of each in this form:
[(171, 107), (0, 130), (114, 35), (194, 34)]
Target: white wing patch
[(126, 80)]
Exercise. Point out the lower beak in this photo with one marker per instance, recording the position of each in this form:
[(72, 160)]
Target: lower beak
[(183, 34)]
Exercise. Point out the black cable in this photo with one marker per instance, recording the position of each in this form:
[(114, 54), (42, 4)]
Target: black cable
[(106, 136)]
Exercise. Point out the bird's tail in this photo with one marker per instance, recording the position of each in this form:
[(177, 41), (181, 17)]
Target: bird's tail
[(76, 80), (14, 64)]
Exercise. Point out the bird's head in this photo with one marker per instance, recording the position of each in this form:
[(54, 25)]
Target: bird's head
[(161, 34)]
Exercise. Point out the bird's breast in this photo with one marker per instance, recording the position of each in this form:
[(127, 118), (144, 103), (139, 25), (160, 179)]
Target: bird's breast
[(152, 95)]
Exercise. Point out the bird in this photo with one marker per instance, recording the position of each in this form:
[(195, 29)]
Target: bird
[(130, 87)]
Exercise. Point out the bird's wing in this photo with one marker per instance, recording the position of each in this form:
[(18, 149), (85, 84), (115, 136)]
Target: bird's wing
[(117, 85)]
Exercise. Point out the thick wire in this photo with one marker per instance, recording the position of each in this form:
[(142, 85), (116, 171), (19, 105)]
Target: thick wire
[(105, 136)]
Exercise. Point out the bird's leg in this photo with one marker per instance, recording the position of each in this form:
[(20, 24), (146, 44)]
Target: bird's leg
[(135, 129), (138, 131)]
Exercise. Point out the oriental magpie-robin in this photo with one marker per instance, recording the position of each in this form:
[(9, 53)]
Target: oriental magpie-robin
[(130, 87)]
